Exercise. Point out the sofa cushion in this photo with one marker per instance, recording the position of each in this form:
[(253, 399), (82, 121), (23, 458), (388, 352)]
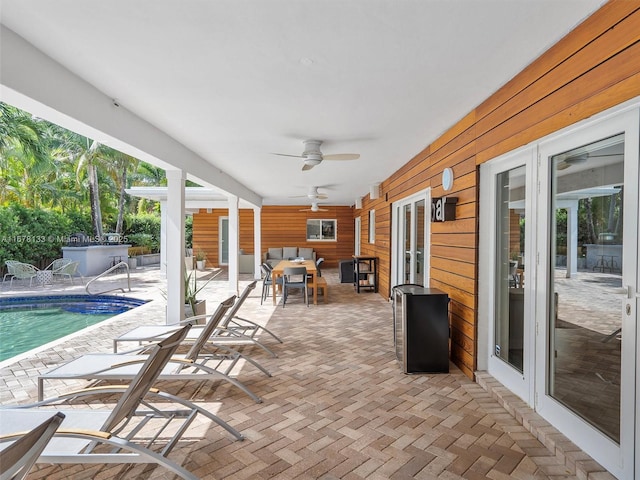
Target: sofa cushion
[(306, 253), (275, 253), (289, 252)]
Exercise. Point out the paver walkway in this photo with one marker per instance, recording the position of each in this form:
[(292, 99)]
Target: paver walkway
[(336, 407)]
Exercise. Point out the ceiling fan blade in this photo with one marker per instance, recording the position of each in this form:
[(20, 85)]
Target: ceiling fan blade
[(342, 156), (322, 196), (287, 155), (307, 167)]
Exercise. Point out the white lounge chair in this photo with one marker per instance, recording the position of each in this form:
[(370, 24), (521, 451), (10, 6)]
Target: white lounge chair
[(233, 331), (134, 428), (197, 364), (21, 454)]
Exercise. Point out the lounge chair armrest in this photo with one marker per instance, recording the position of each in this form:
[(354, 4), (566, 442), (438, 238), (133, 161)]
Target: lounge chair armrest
[(193, 319), (89, 433), (97, 390)]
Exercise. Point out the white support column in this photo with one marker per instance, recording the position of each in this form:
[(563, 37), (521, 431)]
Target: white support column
[(175, 246), (572, 239), (163, 236), (234, 244), (257, 242)]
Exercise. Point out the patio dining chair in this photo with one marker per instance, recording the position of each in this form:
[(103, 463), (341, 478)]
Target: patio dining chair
[(23, 271), (143, 427), (267, 281), (294, 278), (17, 459)]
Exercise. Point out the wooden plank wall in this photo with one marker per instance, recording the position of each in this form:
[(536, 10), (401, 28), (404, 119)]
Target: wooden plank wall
[(282, 226), (595, 67), (206, 236)]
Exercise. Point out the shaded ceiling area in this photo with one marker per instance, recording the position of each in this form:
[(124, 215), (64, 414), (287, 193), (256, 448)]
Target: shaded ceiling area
[(234, 83)]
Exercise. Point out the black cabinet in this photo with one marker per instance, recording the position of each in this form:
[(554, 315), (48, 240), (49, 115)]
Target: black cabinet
[(346, 271), (365, 273), (421, 328)]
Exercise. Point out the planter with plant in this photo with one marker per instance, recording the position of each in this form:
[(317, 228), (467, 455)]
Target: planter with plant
[(201, 259)]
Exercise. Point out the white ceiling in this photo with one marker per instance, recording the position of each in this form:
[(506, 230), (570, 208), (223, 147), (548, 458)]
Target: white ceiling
[(236, 80)]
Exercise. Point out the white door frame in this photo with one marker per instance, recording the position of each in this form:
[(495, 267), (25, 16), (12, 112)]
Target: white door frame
[(520, 383), (221, 240), (397, 249), (589, 439)]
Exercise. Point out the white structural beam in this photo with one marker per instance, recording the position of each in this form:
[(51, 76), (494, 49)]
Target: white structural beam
[(36, 83), (234, 244), (163, 236), (257, 242), (175, 246)]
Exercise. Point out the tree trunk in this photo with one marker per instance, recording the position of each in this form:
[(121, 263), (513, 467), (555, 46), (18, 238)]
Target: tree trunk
[(591, 230), (94, 197), (123, 184)]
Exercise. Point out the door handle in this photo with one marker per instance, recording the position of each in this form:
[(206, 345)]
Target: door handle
[(631, 293)]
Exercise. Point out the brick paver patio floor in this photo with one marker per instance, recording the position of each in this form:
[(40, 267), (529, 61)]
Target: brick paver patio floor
[(336, 407)]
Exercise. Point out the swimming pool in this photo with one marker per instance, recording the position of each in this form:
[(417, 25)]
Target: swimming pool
[(29, 322)]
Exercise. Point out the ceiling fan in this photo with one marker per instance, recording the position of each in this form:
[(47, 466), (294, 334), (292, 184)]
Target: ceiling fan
[(314, 208), (568, 161), (313, 156), (312, 195)]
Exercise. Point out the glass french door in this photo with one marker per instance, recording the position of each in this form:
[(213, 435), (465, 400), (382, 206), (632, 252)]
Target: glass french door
[(411, 232), (223, 246), (506, 289), (587, 286)]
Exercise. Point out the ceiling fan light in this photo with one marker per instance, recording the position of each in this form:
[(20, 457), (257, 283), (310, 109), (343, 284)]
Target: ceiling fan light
[(313, 159)]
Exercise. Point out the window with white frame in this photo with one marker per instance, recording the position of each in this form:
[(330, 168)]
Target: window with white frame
[(321, 230)]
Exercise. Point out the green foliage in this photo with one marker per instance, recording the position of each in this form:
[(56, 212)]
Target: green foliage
[(188, 232), (143, 230), (32, 235), (80, 222), (143, 240)]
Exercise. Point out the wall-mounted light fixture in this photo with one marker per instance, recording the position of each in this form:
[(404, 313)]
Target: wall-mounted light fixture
[(374, 191), (447, 179), (359, 202)]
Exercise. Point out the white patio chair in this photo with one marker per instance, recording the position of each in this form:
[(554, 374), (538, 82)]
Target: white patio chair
[(10, 269), (67, 269), (140, 428), (23, 271), (197, 364), (17, 459)]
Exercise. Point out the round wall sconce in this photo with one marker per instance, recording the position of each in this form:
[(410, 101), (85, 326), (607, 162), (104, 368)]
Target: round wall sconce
[(447, 179)]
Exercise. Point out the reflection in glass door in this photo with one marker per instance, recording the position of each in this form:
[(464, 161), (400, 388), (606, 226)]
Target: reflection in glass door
[(586, 279), (412, 228), (584, 302), (509, 268)]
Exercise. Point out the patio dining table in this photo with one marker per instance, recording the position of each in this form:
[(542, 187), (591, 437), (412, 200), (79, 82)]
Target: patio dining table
[(278, 271)]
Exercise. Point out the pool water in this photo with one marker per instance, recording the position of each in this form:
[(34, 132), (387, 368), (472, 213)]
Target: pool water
[(29, 322)]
